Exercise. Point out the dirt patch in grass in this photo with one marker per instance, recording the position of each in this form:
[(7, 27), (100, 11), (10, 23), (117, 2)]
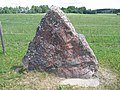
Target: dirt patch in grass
[(45, 81), (107, 76), (34, 81), (40, 81), (108, 81)]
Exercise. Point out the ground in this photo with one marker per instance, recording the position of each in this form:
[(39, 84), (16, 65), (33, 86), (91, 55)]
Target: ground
[(102, 33)]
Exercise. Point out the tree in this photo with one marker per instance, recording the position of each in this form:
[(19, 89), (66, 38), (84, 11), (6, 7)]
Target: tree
[(39, 10), (44, 8), (118, 10), (26, 9), (32, 9), (82, 10), (64, 10), (71, 9), (89, 11), (6, 10)]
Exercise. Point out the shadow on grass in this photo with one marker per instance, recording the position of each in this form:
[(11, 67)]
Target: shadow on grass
[(18, 69)]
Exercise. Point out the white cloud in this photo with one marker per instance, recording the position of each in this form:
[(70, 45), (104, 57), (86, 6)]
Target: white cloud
[(89, 4)]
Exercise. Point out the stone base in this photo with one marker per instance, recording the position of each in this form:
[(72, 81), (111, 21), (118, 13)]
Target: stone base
[(81, 82)]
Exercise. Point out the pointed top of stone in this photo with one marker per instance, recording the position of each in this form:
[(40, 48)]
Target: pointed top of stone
[(59, 15), (54, 8), (57, 10)]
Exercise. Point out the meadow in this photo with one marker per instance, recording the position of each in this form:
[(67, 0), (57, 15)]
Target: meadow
[(101, 31)]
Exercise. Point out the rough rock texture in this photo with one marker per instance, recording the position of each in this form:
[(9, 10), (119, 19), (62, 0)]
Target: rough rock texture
[(57, 48)]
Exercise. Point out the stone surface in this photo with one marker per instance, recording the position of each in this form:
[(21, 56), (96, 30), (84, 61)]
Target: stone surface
[(57, 48), (81, 82)]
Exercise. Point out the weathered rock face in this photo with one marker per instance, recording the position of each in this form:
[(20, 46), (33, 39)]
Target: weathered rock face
[(57, 48)]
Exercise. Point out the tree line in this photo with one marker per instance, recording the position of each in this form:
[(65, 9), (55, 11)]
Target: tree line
[(44, 8), (83, 10), (19, 9)]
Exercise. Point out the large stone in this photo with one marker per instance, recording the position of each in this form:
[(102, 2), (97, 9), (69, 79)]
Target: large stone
[(57, 48)]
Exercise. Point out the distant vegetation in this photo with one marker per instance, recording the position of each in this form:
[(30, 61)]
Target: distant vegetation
[(44, 8), (15, 10)]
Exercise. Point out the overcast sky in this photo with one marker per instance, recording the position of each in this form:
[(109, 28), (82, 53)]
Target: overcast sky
[(89, 4)]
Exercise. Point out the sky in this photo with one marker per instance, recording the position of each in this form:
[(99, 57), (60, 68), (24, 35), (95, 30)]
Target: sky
[(89, 4)]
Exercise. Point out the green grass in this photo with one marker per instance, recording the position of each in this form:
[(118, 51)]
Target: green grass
[(102, 33)]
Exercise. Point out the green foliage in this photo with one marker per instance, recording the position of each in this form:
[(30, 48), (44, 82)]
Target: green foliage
[(61, 87), (71, 9), (33, 9), (44, 8)]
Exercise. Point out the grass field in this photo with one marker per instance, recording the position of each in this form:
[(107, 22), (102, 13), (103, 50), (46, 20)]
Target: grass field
[(102, 33)]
